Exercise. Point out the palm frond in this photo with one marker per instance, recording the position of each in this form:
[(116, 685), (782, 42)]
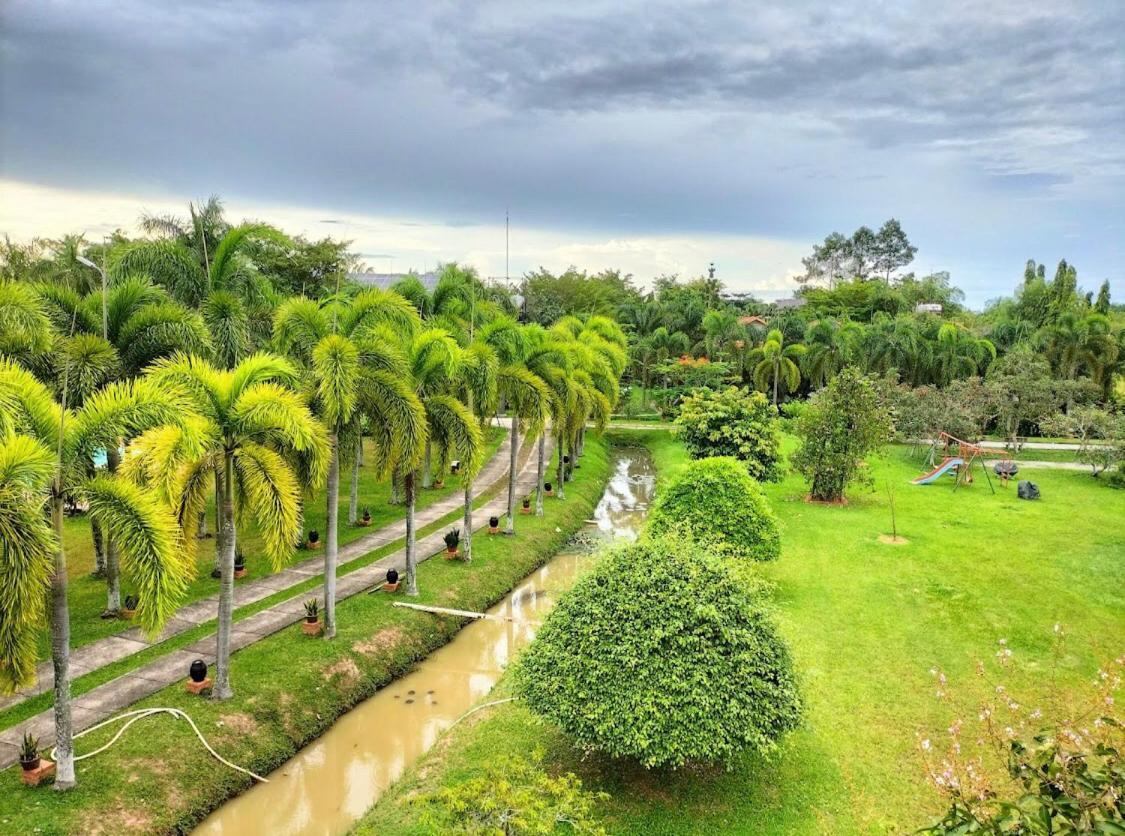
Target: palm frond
[(298, 325), (396, 419), (269, 412), (375, 307), (527, 395), (167, 262), (224, 260), (456, 432), (27, 406), (24, 325), (161, 330), (226, 318), (335, 366), (271, 496), (258, 368)]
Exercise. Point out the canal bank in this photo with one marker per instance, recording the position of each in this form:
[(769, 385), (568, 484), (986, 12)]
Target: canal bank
[(290, 689)]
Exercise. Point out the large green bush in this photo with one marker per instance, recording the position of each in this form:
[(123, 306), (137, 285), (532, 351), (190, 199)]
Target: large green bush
[(732, 422), (662, 655), (843, 423), (716, 502)]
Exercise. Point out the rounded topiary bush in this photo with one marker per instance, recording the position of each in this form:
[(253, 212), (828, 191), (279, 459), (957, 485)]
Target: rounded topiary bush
[(732, 422), (662, 655), (716, 501)]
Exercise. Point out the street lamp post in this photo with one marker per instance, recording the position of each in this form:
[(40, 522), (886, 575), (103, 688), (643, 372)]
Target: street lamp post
[(105, 294)]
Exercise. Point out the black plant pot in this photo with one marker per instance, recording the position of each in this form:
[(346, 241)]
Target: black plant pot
[(392, 576), (547, 487), (566, 459), (527, 503), (239, 563), (198, 670), (216, 573), (30, 764), (493, 522), (314, 536)]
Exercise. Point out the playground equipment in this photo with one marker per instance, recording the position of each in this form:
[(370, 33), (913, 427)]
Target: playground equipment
[(957, 458)]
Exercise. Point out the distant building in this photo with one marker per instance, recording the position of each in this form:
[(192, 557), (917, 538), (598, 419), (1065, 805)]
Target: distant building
[(928, 307), (388, 280), (751, 320), (789, 304)]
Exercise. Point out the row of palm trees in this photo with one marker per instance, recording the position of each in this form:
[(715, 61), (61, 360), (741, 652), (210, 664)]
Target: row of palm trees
[(188, 412), (922, 352)]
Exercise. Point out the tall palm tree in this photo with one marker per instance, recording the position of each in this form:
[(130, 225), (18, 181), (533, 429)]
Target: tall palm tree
[(775, 364), (831, 346), (723, 335), (354, 373), (25, 329), (1076, 342), (480, 370), (152, 549), (959, 353), (897, 344), (525, 394), (253, 423), (550, 360)]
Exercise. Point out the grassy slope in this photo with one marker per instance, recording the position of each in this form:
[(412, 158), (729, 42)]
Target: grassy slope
[(289, 688), (87, 595), (866, 622)]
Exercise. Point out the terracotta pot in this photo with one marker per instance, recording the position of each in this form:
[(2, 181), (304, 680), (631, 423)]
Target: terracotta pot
[(392, 587), (494, 529), (311, 628), (451, 554), (439, 484), (240, 573), (128, 615)]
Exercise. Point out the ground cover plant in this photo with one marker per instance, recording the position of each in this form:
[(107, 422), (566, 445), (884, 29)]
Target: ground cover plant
[(731, 422), (714, 501), (866, 623), (272, 716)]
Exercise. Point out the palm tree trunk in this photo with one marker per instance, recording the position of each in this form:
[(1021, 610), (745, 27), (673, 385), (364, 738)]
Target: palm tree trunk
[(395, 499), (559, 470), (467, 523), (331, 548), (427, 467), (222, 689), (411, 554), (511, 526), (60, 656), (353, 488), (112, 559), (776, 373), (539, 473), (201, 534), (99, 549), (218, 517), (359, 448)]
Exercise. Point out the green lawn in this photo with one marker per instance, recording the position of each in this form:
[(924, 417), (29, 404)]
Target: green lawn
[(87, 595), (866, 622), (289, 689)]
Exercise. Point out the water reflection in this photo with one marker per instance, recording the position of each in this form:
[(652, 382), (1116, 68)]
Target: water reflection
[(329, 784)]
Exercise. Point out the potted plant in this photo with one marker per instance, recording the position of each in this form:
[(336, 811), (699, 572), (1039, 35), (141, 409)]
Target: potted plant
[(129, 608), (366, 519), (526, 509), (314, 539), (239, 564), (392, 580), (29, 753), (439, 482), (198, 670), (455, 467), (311, 625), (547, 489), (493, 525), (452, 541)]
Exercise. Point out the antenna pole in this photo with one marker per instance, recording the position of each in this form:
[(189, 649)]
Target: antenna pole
[(507, 277)]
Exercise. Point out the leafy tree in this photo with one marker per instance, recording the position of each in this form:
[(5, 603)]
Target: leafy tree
[(716, 502), (1102, 304), (1076, 342), (1022, 390), (892, 250), (153, 553), (843, 423), (775, 364), (701, 674), (831, 346), (548, 298), (958, 353), (257, 433), (1101, 433), (731, 422)]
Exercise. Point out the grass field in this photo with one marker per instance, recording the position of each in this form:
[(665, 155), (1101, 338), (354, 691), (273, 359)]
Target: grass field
[(87, 595), (289, 689), (866, 622)]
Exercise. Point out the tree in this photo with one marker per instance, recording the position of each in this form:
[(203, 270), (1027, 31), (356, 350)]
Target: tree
[(1022, 390), (831, 346), (892, 250), (648, 693), (1100, 432), (1102, 304), (257, 432), (958, 353), (843, 423), (1076, 342), (775, 364), (354, 372), (153, 553), (548, 297), (716, 502), (731, 422)]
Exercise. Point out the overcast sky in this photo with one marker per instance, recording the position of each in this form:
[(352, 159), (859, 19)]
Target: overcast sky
[(651, 136)]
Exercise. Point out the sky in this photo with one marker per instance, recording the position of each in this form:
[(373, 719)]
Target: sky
[(649, 136)]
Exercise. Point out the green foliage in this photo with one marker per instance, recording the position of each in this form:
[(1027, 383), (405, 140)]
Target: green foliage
[(516, 797), (700, 675), (735, 423), (716, 502), (1101, 433), (844, 423)]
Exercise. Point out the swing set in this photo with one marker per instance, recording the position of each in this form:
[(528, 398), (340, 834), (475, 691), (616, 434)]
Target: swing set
[(957, 457)]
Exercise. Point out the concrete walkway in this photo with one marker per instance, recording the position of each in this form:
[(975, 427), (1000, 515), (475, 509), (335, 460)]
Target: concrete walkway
[(110, 698), (97, 654), (1031, 465)]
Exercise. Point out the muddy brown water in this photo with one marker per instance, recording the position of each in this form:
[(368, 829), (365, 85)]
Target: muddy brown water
[(327, 786)]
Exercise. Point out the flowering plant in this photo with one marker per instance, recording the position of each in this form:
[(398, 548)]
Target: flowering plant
[(1022, 769)]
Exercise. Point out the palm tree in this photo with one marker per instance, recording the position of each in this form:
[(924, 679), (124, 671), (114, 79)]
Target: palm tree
[(831, 346), (252, 421), (723, 335), (959, 353), (525, 394), (1075, 342), (897, 344), (153, 552), (355, 372), (775, 364), (480, 370), (25, 329), (550, 360)]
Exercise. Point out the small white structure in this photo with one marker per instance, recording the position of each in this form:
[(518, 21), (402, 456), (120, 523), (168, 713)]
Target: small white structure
[(928, 307)]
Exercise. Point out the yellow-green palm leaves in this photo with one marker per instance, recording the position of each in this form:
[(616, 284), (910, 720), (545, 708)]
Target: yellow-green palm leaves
[(775, 364), (27, 546)]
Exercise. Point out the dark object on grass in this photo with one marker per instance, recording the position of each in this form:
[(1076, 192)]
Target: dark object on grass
[(1006, 469), (239, 561), (1028, 490), (392, 576), (131, 602), (527, 503), (493, 522), (314, 536), (216, 573), (452, 540), (198, 670)]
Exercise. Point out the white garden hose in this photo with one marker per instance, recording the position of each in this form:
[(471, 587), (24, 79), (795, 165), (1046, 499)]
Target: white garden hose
[(140, 714)]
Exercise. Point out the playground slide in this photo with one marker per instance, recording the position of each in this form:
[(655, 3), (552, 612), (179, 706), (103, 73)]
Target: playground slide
[(942, 468)]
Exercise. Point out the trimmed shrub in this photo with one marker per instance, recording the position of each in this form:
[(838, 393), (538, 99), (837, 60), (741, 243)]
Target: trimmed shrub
[(736, 423), (717, 502), (700, 675), (843, 423)]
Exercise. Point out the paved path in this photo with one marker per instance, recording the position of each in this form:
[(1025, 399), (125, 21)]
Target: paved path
[(97, 654), (1021, 463), (1026, 445), (110, 698)]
